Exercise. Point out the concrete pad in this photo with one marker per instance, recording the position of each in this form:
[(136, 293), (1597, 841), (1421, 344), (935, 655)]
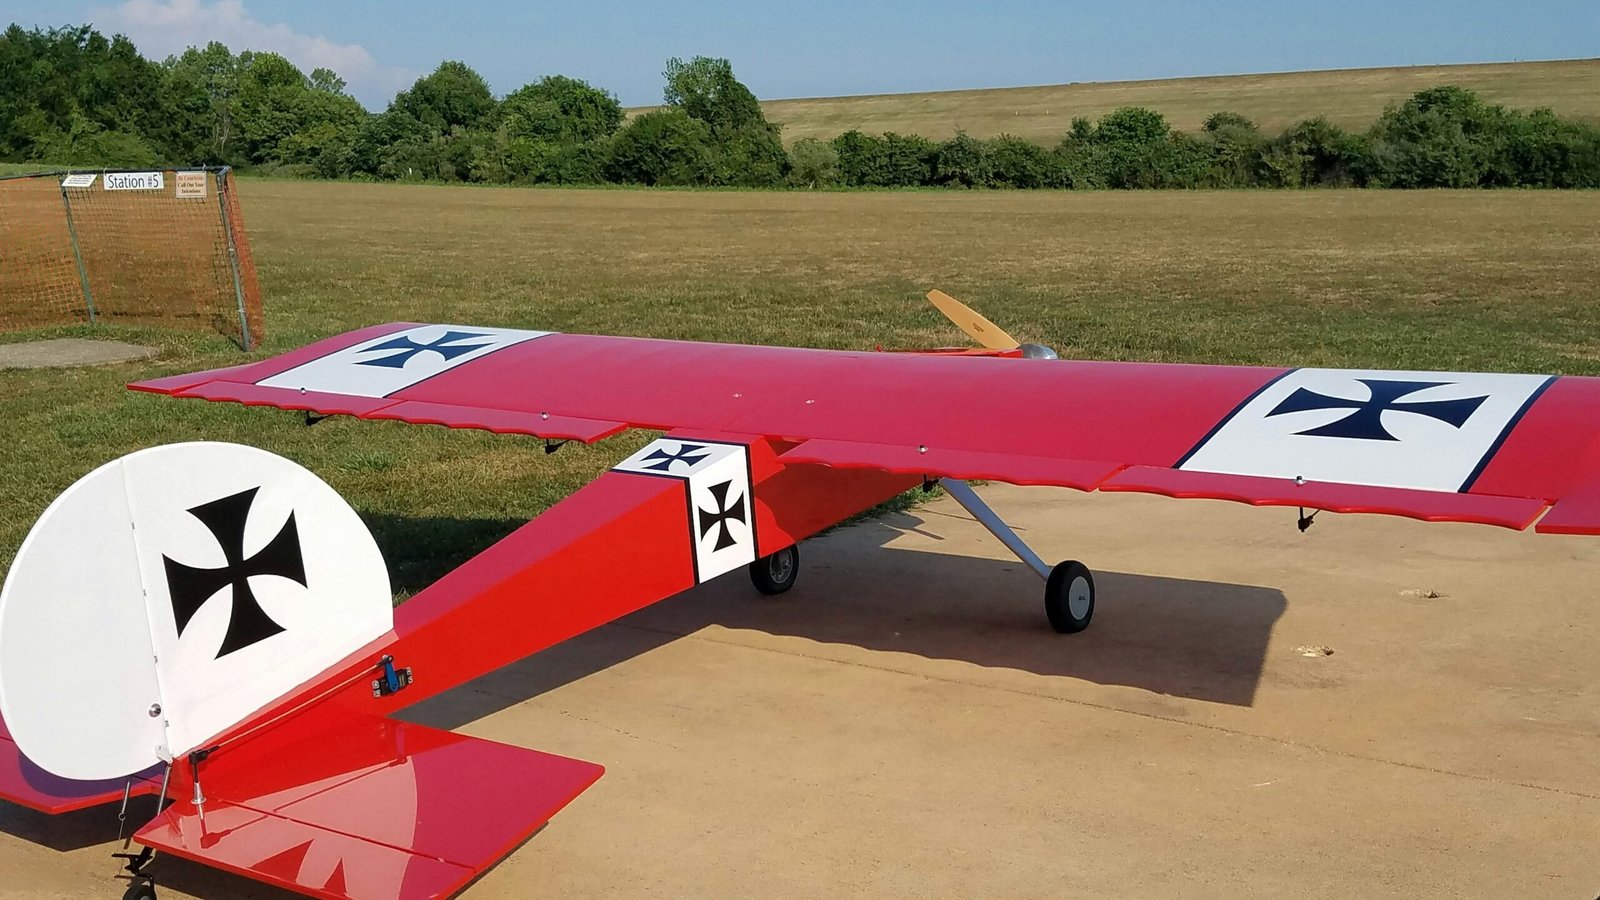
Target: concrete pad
[(69, 352), (904, 721)]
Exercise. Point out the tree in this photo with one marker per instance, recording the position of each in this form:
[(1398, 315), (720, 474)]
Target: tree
[(1076, 161), (1314, 152), (667, 146), (326, 127), (327, 81), (1020, 163), (558, 108), (745, 148), (963, 160), (704, 87), (1222, 121), (1236, 146), (908, 161), (1543, 150), (1132, 148), (87, 143), (813, 163), (390, 145), (861, 158), (267, 105), (1441, 137), (201, 89), (65, 84), (452, 96)]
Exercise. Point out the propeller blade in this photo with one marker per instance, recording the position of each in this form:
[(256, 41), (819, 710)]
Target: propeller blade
[(976, 326)]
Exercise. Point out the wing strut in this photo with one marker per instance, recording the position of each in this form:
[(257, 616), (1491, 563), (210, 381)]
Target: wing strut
[(991, 520), (1068, 586)]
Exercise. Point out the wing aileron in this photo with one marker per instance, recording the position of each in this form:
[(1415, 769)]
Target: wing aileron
[(1431, 506)]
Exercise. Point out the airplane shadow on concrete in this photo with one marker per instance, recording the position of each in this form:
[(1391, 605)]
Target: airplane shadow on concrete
[(1200, 640), (1196, 639)]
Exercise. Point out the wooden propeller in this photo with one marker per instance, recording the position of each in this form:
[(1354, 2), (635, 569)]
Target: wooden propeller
[(976, 326)]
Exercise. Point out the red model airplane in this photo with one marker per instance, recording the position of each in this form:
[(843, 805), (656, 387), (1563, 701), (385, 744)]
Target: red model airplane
[(230, 642)]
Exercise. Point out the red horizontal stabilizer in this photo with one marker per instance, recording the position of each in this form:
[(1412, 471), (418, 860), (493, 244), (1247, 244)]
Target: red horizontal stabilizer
[(1429, 506), (23, 782), (371, 808)]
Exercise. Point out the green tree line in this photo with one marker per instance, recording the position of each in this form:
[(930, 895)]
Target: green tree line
[(71, 96)]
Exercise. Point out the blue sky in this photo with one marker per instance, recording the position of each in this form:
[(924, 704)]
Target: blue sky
[(829, 47)]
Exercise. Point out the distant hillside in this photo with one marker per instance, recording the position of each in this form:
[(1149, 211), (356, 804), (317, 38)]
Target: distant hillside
[(1349, 97)]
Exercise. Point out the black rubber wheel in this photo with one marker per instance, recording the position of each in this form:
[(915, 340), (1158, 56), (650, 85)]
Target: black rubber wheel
[(1069, 597), (776, 573), (140, 889)]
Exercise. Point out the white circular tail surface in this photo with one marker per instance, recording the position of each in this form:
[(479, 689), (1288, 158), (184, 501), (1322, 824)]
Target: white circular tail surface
[(202, 580)]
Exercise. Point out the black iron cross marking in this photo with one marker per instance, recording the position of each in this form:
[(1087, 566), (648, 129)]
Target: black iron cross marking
[(1365, 422), (661, 461), (446, 346), (723, 513), (191, 586)]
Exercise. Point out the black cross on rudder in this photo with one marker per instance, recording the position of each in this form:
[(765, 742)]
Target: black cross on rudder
[(191, 586)]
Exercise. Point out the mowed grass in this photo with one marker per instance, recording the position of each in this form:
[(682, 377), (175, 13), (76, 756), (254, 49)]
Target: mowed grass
[(1471, 280), (1352, 98)]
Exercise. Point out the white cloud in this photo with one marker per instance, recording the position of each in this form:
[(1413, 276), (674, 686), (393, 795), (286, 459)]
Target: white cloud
[(163, 27)]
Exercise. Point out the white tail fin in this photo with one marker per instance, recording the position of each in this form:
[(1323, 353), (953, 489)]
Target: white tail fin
[(168, 595)]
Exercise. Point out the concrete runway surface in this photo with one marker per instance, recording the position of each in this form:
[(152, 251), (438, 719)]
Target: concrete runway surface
[(904, 722)]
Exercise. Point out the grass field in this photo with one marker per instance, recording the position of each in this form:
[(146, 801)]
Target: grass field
[(1477, 280), (1351, 98)]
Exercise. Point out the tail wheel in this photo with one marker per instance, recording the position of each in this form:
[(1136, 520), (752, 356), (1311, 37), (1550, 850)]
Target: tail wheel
[(776, 573), (1069, 597)]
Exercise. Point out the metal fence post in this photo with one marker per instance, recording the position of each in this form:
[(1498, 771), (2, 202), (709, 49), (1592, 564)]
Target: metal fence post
[(77, 254), (233, 255)]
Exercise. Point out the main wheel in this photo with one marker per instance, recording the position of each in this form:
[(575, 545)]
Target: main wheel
[(1069, 597), (776, 573), (140, 889)]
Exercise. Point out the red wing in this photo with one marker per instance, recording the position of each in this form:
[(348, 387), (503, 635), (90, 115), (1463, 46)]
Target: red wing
[(368, 808), (1497, 449)]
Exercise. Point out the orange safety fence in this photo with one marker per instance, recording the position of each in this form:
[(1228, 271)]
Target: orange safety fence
[(150, 247)]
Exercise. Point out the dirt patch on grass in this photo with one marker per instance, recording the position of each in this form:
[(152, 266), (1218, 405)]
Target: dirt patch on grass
[(65, 352)]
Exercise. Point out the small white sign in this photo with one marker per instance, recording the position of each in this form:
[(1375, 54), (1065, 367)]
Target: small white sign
[(135, 181), (79, 180), (190, 185)]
